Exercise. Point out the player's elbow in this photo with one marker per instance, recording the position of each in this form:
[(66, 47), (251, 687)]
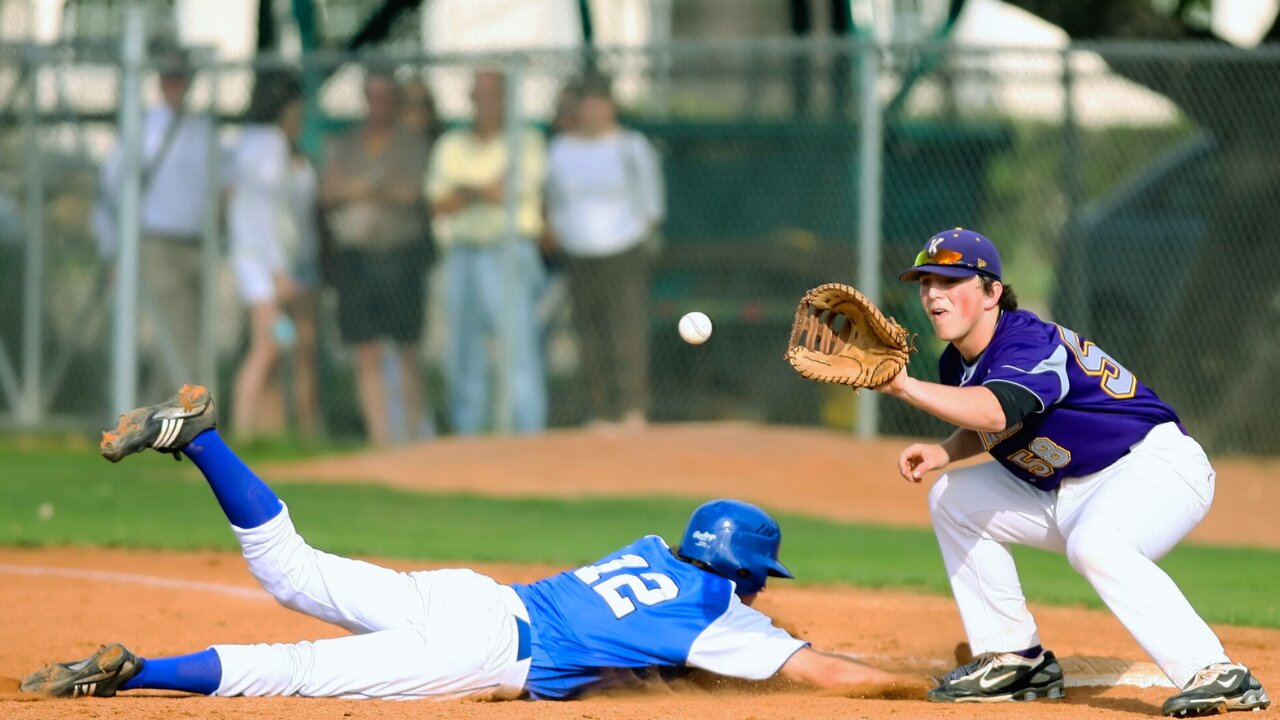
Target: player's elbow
[(988, 412), (802, 667), (819, 669), (991, 424), (982, 419)]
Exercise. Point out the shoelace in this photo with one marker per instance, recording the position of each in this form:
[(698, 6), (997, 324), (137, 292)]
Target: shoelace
[(1207, 675), (969, 667)]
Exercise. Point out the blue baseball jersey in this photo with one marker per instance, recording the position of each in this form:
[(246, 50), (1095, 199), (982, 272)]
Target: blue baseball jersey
[(1092, 410), (638, 611)]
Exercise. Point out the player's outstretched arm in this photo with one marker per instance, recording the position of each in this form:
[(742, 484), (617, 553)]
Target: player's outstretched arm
[(849, 677), (973, 408)]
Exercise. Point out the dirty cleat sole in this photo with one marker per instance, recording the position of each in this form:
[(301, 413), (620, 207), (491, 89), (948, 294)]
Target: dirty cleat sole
[(1217, 689), (1218, 706), (166, 427), (1252, 699), (99, 675)]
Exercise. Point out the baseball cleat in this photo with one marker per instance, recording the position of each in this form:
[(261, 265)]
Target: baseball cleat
[(1002, 677), (1216, 689), (167, 427), (99, 675)]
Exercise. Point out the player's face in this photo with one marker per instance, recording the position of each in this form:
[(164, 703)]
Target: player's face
[(954, 305), (748, 599)]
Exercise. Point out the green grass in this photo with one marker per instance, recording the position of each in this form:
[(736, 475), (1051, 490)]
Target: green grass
[(153, 502)]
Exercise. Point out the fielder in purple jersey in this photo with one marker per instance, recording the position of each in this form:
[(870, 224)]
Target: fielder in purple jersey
[(1099, 409), (647, 610), (1086, 461)]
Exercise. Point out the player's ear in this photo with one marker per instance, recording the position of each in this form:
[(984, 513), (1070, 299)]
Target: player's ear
[(992, 298)]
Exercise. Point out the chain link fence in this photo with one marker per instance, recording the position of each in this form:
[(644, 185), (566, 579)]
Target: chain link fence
[(1130, 188)]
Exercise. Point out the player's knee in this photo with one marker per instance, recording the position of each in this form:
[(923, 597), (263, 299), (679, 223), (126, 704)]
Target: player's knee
[(286, 573), (1094, 550), (282, 588)]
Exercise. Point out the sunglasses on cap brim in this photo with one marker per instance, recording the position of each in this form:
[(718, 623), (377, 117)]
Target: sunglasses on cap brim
[(950, 258)]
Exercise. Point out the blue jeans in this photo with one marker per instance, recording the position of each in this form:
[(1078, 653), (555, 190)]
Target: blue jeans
[(490, 293)]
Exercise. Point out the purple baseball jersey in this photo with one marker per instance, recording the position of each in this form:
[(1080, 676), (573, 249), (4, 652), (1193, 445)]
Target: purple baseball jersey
[(1092, 410)]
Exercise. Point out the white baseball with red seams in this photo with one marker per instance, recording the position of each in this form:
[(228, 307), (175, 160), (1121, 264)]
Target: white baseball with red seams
[(695, 327)]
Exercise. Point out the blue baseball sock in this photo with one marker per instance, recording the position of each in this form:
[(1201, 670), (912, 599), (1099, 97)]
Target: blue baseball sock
[(246, 500), (1030, 653), (196, 673)]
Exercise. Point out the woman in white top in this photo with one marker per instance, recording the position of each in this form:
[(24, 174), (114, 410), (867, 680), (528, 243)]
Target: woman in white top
[(604, 202), (271, 218)]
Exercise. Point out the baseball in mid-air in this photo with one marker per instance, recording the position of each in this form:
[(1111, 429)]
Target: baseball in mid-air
[(695, 327)]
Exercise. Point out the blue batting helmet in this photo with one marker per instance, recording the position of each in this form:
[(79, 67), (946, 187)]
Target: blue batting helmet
[(736, 540)]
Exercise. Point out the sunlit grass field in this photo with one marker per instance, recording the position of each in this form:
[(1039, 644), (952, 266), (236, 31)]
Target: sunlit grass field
[(60, 492)]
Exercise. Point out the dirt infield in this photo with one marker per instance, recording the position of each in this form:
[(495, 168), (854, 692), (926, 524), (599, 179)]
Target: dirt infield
[(60, 603)]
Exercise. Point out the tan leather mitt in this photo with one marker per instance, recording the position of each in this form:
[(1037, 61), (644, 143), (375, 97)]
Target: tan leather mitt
[(839, 336)]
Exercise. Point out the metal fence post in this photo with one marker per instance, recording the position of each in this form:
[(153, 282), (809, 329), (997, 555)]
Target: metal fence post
[(660, 57), (124, 384), (207, 364), (870, 150), (513, 132), (1079, 311), (33, 265)]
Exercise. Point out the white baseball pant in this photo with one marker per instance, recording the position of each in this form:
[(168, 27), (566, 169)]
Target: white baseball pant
[(439, 634), (1113, 525)]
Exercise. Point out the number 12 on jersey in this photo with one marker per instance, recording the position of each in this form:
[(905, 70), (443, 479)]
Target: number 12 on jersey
[(648, 588)]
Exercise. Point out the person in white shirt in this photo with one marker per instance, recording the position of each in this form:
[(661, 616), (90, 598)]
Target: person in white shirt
[(271, 221), (177, 146), (605, 202)]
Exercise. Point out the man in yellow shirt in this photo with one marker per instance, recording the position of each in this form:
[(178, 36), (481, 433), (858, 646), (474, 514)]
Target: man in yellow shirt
[(491, 266)]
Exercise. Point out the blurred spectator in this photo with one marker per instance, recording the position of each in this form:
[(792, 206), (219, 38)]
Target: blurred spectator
[(175, 201), (605, 201), (371, 190), (271, 220), (491, 276)]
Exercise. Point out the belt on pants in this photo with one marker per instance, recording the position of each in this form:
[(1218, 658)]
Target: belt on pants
[(524, 643)]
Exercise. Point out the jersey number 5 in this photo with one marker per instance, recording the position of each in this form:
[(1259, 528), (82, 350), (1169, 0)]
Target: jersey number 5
[(611, 588), (1115, 381)]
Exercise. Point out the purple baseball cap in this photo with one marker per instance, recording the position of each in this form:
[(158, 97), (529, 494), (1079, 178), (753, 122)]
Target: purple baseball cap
[(955, 253)]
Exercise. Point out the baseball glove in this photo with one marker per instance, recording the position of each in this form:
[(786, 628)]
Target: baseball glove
[(839, 336)]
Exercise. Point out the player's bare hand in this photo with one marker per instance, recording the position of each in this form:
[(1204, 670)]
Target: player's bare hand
[(920, 458)]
